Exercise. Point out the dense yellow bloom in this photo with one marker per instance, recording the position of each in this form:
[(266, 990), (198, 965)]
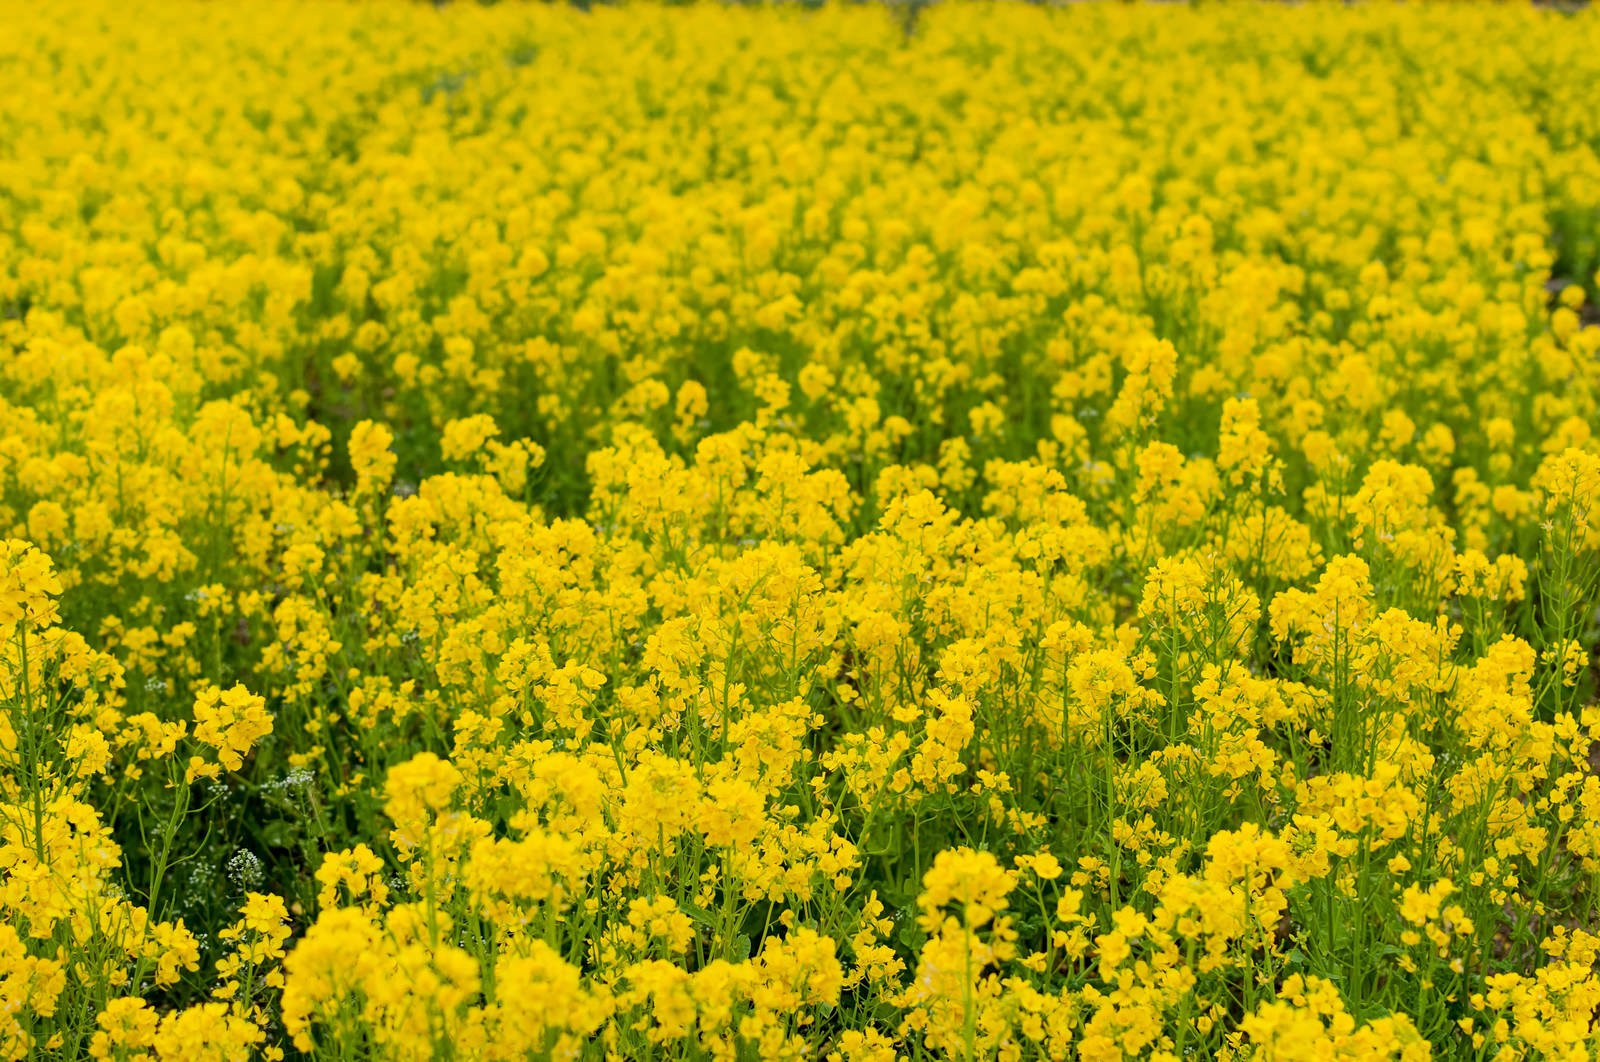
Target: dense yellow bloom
[(849, 532), (231, 721), (370, 455), (28, 586)]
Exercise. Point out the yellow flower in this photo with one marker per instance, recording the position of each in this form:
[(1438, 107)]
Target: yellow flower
[(371, 455), (231, 721)]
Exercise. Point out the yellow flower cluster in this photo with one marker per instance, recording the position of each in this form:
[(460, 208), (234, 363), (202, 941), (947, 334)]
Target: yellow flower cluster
[(845, 532)]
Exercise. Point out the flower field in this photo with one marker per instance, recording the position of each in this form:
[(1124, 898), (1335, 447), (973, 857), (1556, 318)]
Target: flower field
[(849, 533)]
